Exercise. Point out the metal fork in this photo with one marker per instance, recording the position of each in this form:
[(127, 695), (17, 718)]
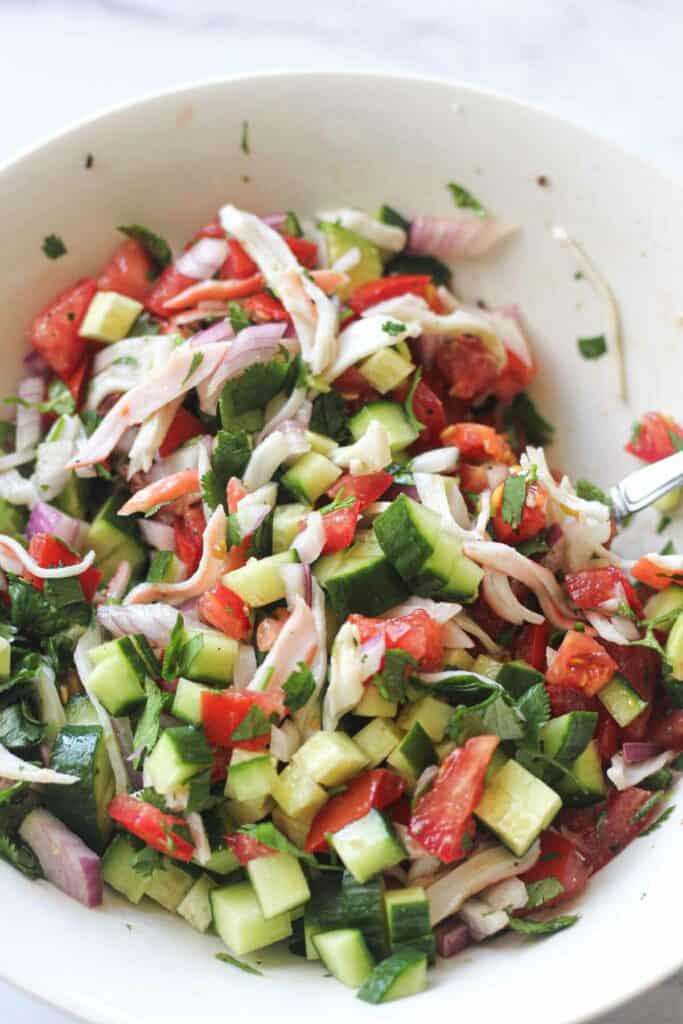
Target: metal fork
[(646, 485)]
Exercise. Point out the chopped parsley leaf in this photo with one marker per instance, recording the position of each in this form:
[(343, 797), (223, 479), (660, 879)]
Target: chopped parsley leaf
[(393, 327), (464, 200), (592, 348), (244, 138), (53, 247)]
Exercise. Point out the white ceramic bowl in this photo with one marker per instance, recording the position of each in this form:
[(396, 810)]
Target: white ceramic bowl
[(353, 139)]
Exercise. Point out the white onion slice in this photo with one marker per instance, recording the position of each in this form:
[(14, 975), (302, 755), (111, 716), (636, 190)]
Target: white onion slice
[(309, 543), (203, 259), (439, 460), (624, 775), (158, 535), (12, 767)]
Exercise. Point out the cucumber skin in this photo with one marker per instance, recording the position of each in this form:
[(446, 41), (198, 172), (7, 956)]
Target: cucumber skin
[(76, 752), (378, 986), (355, 906)]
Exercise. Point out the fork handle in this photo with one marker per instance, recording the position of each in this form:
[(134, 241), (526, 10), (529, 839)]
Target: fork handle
[(647, 485)]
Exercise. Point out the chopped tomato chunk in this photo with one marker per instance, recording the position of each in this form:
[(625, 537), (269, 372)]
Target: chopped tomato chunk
[(77, 380), (560, 859), (54, 332), (189, 532), (183, 427), (306, 252), (378, 788), (468, 365), (366, 487), (581, 662), (533, 517), (417, 633), (170, 284), (264, 308), (668, 730), (225, 611), (443, 815), (515, 376), (655, 436), (478, 443), (224, 710), (592, 588), (602, 832), (247, 848), (129, 272), (339, 527), (657, 575), (148, 823), (531, 644), (238, 264), (372, 292)]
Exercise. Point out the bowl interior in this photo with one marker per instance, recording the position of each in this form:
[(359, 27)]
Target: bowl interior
[(333, 139)]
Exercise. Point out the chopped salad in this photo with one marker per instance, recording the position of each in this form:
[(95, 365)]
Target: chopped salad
[(302, 636)]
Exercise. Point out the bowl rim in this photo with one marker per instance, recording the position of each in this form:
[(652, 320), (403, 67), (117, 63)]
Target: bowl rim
[(68, 1001)]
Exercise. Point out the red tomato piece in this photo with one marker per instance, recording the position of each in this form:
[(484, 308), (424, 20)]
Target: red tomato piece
[(77, 380), (366, 487), (473, 479), (655, 436), (352, 383), (129, 272), (533, 517), (54, 332), (263, 308), (340, 528), (559, 859), (238, 264), (170, 284), (50, 552), (478, 443), (531, 644), (225, 611), (607, 736), (306, 252), (515, 376), (668, 730), (183, 427), (417, 633), (567, 698), (151, 825), (443, 815), (189, 531), (656, 576), (214, 229), (591, 588), (247, 848), (428, 409), (372, 292), (581, 662), (468, 365), (224, 710), (219, 765), (602, 832), (378, 788)]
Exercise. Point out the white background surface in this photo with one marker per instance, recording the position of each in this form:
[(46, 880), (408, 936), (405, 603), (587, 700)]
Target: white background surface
[(613, 67)]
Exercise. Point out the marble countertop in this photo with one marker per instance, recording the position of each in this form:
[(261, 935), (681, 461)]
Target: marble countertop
[(613, 67)]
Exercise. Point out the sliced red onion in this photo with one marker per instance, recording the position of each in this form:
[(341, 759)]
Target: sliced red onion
[(255, 344), (310, 542), (460, 236), (157, 535), (440, 460), (554, 534), (250, 515), (455, 638), (200, 312), (452, 936), (482, 920), (293, 577), (32, 390), (35, 365), (474, 629), (245, 666), (220, 331), (155, 621), (608, 628), (371, 656), (203, 259), (65, 859), (499, 596), (275, 220), (624, 775), (297, 408), (13, 767), (118, 584), (635, 752), (190, 610), (48, 519)]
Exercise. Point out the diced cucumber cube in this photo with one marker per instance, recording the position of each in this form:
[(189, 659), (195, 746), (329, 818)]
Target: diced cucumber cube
[(339, 240), (180, 753), (109, 317), (279, 883), (346, 955), (187, 701), (621, 700), (165, 567), (567, 736), (590, 786), (432, 714), (408, 923), (368, 846), (196, 907), (517, 807), (310, 477), (118, 870), (5, 656), (321, 444), (116, 684), (297, 794), (400, 975), (330, 758), (360, 579), (373, 705), (260, 582), (215, 660), (413, 754), (169, 885), (250, 776), (386, 369), (377, 739), (674, 648), (286, 522), (246, 812), (392, 417), (239, 920), (296, 829), (458, 659), (667, 602)]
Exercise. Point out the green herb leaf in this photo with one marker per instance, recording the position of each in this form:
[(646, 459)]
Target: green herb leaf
[(542, 891), (414, 422), (534, 546), (393, 327), (534, 706), (592, 348), (244, 138), (329, 417), (522, 413), (265, 832), (664, 816), (299, 688), (239, 318), (147, 861), (197, 360), (180, 652), (243, 398), (514, 496), (18, 728), (156, 247), (668, 549), (252, 725), (292, 224), (388, 215), (525, 926), (147, 731), (391, 681), (676, 440), (494, 716), (53, 247), (59, 401), (407, 264), (225, 958), (144, 327), (20, 856), (591, 492), (230, 457), (199, 797), (465, 200)]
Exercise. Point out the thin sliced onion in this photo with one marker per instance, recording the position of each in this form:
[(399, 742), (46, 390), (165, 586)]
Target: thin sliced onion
[(203, 259), (158, 535), (605, 626), (297, 641), (455, 638), (271, 453), (155, 621), (511, 892), (19, 458), (624, 775), (297, 407), (371, 656), (65, 859), (482, 920), (245, 666), (634, 752), (440, 611), (483, 869), (118, 584), (463, 235), (12, 767), (285, 740), (31, 390), (48, 519), (474, 629), (309, 543), (501, 599), (439, 460), (220, 331), (202, 846)]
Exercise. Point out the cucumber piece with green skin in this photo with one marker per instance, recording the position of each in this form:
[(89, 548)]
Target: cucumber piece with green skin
[(368, 846), (346, 955), (354, 906), (392, 417), (377, 740), (360, 579), (674, 648), (222, 860), (187, 701), (287, 520), (621, 700), (373, 705), (115, 539), (260, 582), (214, 661), (566, 737), (667, 602), (413, 754), (118, 676), (432, 714), (80, 711), (5, 658), (239, 920), (400, 975), (408, 924), (297, 794), (310, 477), (517, 807), (320, 443), (118, 872), (338, 241), (170, 884), (13, 520), (587, 770), (195, 908), (74, 499), (330, 758), (658, 781), (165, 567), (81, 750), (517, 677), (386, 369), (250, 776), (180, 753), (279, 883)]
